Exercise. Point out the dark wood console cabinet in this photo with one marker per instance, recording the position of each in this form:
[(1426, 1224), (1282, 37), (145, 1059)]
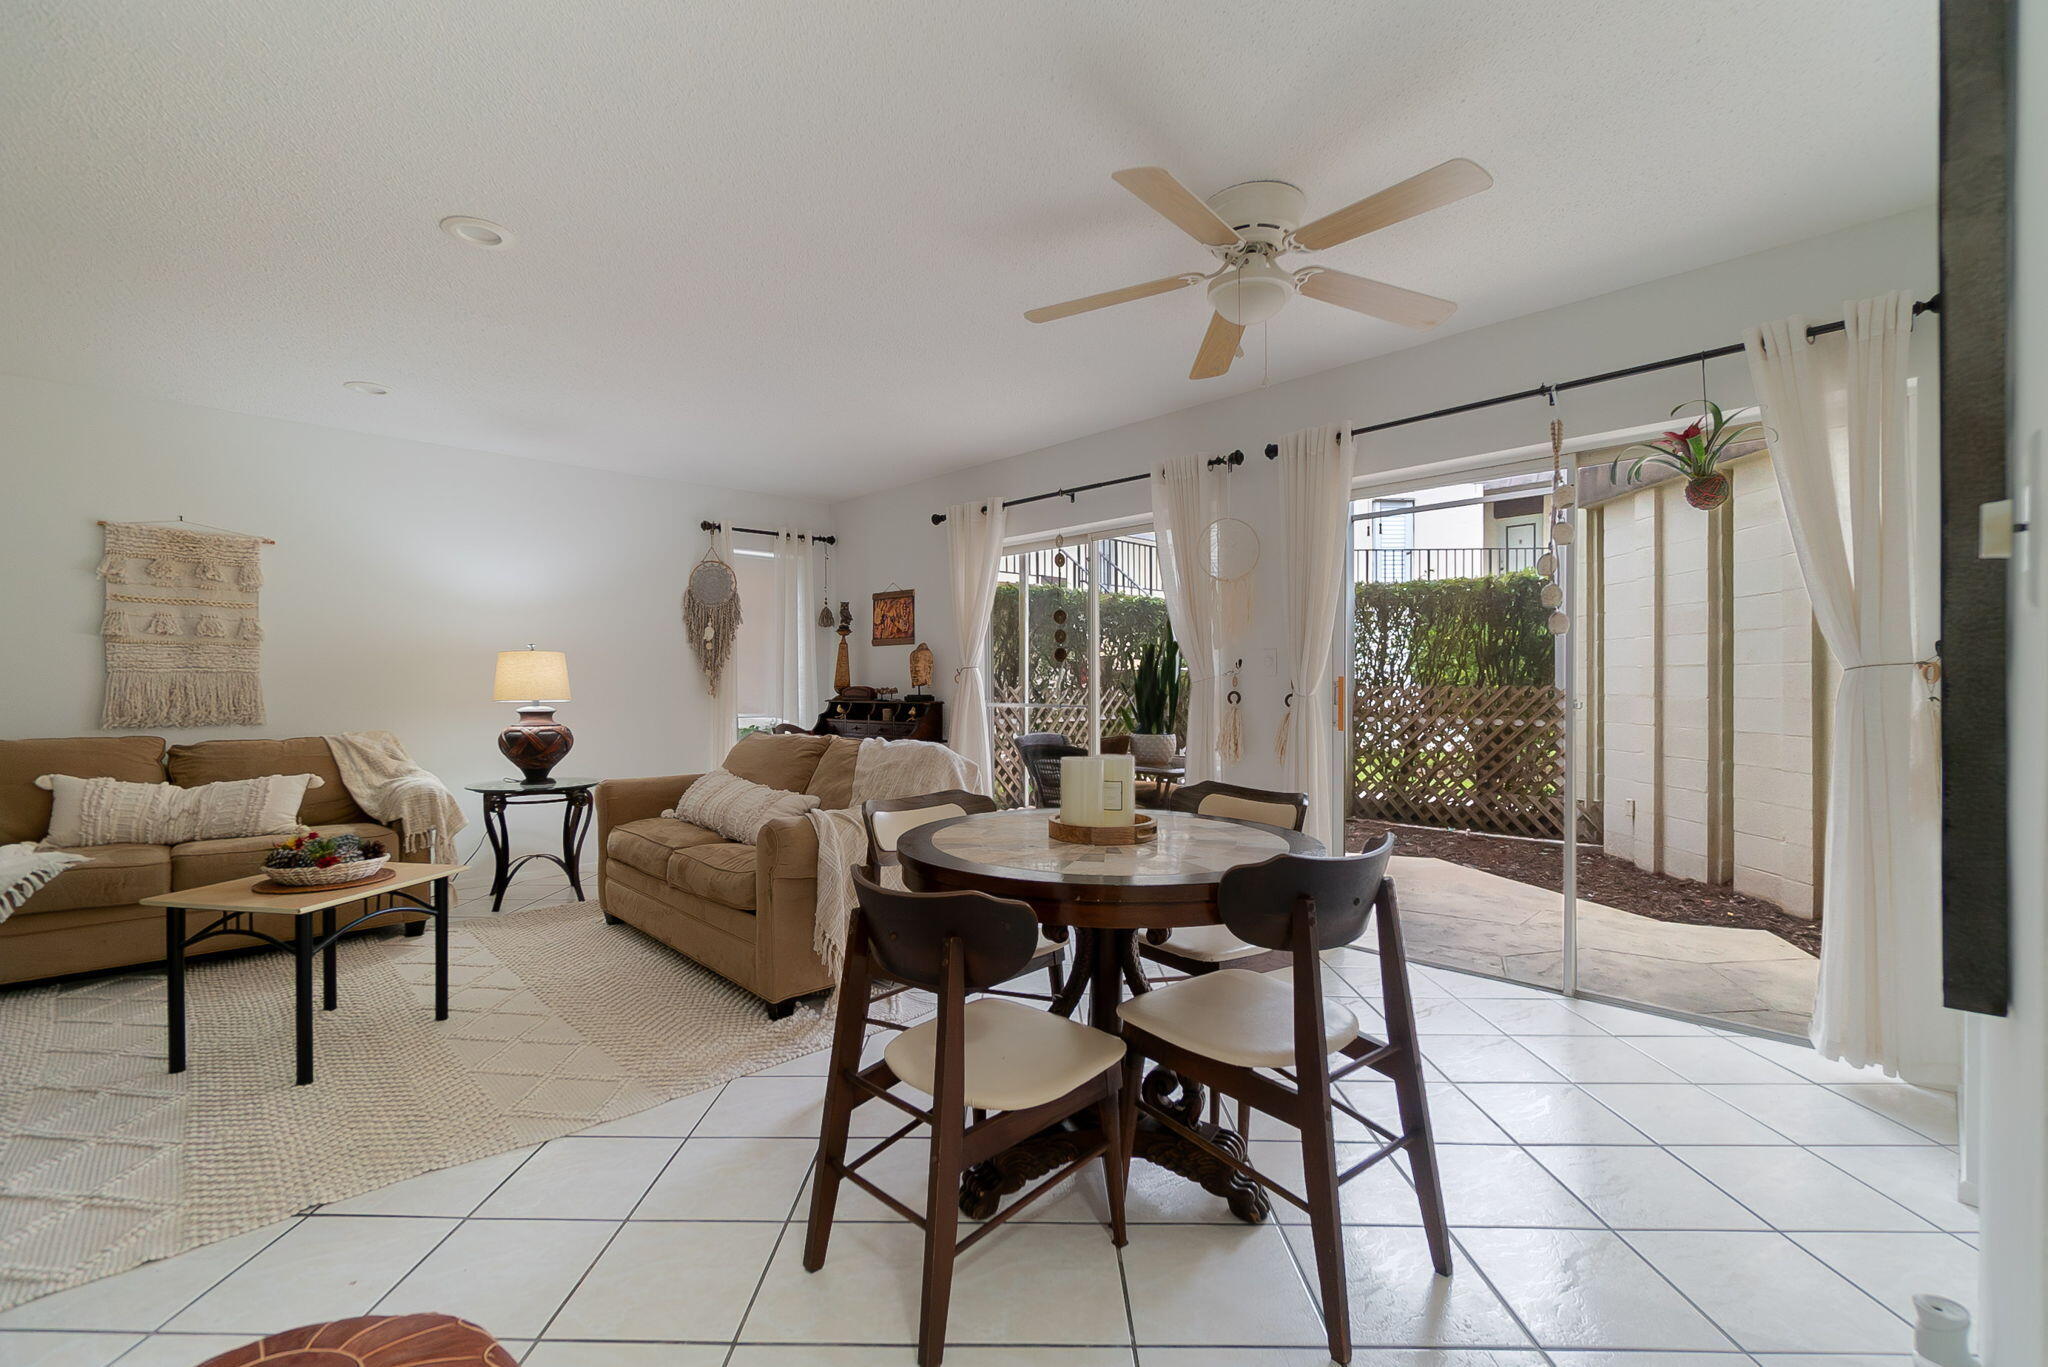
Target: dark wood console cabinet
[(889, 718)]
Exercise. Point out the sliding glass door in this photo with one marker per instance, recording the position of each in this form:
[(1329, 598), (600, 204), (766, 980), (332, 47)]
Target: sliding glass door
[(1071, 618)]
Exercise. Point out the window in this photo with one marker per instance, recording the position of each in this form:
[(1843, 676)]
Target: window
[(1392, 541), (757, 655)]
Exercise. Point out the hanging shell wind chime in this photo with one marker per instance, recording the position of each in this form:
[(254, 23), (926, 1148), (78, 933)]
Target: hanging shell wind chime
[(711, 615), (825, 597), (1559, 518)]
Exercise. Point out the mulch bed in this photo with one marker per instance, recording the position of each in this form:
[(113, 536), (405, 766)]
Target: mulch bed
[(1602, 878)]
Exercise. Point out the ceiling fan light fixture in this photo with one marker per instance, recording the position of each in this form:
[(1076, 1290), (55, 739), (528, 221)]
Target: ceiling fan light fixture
[(1252, 291)]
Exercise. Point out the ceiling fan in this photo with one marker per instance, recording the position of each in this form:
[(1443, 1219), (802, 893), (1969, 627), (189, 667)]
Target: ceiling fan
[(1251, 225)]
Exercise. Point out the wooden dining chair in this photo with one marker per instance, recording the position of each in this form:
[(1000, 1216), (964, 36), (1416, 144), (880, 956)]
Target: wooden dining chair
[(887, 818), (1194, 950), (1025, 1069), (1041, 752), (1268, 1044)]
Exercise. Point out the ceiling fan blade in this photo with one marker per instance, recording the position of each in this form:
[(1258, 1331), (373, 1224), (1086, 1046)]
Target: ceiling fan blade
[(1176, 203), (1108, 297), (1406, 307), (1434, 188), (1219, 349)]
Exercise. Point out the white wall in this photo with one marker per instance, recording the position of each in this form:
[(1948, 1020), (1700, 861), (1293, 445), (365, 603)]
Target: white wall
[(888, 535), (2009, 1082), (428, 559)]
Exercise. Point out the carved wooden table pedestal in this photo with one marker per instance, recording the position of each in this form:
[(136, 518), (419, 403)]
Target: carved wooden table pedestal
[(1106, 895)]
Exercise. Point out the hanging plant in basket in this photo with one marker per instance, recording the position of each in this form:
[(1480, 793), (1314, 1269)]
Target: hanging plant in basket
[(1695, 451)]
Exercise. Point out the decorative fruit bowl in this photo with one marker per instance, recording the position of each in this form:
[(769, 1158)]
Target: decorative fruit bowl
[(314, 860)]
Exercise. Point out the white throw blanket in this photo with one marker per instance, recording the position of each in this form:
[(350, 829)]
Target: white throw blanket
[(24, 870), (385, 782), (882, 769)]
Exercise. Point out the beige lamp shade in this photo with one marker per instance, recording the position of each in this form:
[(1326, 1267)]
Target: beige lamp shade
[(531, 676)]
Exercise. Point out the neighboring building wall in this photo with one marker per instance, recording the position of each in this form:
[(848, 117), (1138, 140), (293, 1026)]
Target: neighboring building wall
[(1660, 691), (1775, 829)]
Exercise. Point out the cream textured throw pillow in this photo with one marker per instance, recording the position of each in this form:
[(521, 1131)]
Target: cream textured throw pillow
[(106, 811), (737, 809)]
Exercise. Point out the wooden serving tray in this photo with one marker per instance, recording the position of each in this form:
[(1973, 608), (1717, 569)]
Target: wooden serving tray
[(1141, 830), (271, 888)]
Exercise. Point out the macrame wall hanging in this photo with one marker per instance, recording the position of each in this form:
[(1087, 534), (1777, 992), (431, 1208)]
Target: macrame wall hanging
[(1558, 516), (1230, 729), (1230, 554), (182, 630), (711, 615)]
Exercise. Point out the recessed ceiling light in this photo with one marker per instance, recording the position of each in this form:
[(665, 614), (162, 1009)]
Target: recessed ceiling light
[(365, 386), (476, 232)]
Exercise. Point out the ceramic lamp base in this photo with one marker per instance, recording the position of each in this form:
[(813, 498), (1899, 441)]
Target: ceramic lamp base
[(536, 744)]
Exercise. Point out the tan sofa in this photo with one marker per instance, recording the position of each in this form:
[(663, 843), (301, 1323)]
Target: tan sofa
[(743, 911), (88, 918)]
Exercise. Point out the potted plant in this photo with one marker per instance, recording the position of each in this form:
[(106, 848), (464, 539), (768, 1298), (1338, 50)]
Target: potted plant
[(1155, 702), (1695, 452), (314, 860)]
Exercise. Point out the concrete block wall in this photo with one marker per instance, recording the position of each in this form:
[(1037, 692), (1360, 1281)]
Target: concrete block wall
[(1656, 740), (1775, 829)]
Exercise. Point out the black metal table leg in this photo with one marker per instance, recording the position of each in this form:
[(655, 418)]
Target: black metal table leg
[(440, 949), (501, 848), (330, 975), (174, 983), (302, 997), (575, 825)]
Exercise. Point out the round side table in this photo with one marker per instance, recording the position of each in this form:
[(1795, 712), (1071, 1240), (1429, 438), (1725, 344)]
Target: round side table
[(575, 795)]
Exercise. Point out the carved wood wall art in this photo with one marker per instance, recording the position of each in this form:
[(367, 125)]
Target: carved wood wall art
[(895, 618)]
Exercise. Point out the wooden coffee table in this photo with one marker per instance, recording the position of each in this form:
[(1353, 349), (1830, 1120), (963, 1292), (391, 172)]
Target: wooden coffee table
[(237, 904)]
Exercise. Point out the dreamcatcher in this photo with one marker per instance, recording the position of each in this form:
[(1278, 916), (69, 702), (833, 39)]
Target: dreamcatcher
[(711, 615), (1230, 552)]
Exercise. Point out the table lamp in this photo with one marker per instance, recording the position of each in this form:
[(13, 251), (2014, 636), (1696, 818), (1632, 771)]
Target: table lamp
[(536, 743)]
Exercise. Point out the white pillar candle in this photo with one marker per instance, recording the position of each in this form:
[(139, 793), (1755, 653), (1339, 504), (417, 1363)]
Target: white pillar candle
[(1119, 790), (1081, 791)]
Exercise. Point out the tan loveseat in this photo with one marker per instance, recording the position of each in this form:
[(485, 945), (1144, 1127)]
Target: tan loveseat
[(743, 911), (88, 917)]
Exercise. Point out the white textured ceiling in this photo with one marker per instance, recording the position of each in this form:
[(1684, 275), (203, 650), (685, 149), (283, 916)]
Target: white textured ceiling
[(785, 246)]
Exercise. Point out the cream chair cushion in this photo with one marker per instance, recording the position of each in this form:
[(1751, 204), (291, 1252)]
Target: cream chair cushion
[(1279, 814), (890, 826), (1016, 1057), (1234, 1017), (1212, 943)]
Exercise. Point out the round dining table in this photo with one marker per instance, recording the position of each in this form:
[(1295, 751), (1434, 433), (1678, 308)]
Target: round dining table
[(1102, 897)]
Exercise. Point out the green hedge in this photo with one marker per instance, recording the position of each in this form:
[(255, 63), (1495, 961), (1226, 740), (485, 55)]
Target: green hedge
[(1490, 631)]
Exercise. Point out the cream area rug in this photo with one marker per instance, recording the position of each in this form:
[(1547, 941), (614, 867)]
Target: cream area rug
[(557, 1022)]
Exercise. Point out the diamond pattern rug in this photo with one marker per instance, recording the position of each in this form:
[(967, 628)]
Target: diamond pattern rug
[(557, 1022)]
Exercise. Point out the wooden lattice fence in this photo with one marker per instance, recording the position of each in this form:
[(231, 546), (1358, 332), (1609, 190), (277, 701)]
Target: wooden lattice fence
[(1481, 758)]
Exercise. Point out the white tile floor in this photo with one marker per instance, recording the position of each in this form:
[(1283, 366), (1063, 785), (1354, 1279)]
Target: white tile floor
[(1625, 1191)]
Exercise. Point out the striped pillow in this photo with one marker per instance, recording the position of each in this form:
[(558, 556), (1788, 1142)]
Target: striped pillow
[(737, 809), (107, 811)]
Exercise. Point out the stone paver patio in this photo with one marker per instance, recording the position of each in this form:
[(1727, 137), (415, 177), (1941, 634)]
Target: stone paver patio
[(1467, 918)]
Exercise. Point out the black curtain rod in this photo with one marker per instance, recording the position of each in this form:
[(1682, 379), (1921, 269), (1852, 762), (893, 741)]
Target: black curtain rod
[(763, 531), (1542, 391)]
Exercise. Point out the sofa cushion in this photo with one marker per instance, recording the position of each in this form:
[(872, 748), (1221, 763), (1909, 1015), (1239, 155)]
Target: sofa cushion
[(25, 808), (115, 875), (216, 761), (721, 873), (737, 809), (647, 844), (832, 782), (196, 863), (786, 762)]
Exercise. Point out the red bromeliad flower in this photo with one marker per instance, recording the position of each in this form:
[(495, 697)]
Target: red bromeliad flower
[(326, 861)]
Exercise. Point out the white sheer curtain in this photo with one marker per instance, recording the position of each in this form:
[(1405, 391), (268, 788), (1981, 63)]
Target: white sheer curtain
[(725, 699), (796, 691), (974, 542), (1315, 494), (1835, 408), (1186, 498)]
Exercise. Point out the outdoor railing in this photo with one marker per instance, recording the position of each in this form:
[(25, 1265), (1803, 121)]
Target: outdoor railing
[(1398, 565)]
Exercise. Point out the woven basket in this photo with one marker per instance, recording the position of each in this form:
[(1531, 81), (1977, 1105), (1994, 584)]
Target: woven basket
[(353, 871)]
